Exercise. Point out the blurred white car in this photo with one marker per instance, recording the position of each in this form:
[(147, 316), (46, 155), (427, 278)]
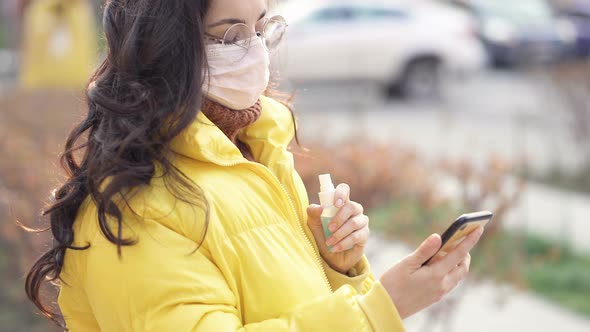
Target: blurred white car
[(405, 45)]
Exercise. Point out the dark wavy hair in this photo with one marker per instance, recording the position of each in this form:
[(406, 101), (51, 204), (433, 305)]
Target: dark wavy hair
[(146, 92)]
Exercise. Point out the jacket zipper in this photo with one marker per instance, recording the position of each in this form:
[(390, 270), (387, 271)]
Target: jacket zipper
[(294, 210), (318, 259)]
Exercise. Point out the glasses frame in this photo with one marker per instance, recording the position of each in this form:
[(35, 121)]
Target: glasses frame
[(261, 34)]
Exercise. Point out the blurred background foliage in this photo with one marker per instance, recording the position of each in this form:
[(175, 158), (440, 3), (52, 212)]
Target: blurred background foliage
[(30, 140)]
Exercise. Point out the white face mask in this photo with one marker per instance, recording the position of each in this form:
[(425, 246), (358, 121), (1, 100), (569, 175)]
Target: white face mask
[(233, 82)]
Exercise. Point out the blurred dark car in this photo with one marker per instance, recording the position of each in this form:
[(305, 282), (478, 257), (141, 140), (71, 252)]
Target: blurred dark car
[(521, 32), (577, 12)]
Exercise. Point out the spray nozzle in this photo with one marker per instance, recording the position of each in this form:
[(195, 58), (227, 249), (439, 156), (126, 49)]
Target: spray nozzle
[(326, 183)]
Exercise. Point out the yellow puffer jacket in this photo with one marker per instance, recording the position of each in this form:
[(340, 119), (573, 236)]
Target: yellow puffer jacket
[(258, 269)]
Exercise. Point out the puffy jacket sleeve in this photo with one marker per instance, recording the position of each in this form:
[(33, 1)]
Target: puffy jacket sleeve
[(359, 277), (162, 284)]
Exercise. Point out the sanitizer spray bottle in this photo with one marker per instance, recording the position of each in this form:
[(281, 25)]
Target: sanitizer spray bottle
[(326, 194)]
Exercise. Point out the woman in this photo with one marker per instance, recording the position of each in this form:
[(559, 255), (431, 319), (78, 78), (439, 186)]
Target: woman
[(185, 212)]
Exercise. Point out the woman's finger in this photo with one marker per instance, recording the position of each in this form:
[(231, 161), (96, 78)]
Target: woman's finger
[(465, 263), (459, 272), (351, 225), (357, 238), (348, 210), (342, 195), (453, 258)]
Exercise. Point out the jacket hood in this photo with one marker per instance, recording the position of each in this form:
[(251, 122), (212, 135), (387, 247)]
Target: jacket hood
[(204, 141)]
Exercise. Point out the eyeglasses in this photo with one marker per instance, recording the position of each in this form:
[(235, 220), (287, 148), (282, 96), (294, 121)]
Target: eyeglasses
[(271, 30)]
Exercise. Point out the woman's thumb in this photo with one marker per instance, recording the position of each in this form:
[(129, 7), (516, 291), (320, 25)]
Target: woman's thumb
[(426, 250), (314, 212)]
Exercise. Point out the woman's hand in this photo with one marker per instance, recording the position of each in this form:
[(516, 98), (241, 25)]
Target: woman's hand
[(413, 287), (350, 228)]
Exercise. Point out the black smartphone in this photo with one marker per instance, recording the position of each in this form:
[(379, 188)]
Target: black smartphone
[(459, 230)]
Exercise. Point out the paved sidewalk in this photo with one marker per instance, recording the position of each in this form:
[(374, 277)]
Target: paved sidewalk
[(559, 215), (8, 73), (553, 213), (483, 307)]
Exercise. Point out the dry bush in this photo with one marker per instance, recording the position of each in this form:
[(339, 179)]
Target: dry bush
[(572, 81), (382, 175), (487, 187), (499, 253), (33, 127), (377, 173)]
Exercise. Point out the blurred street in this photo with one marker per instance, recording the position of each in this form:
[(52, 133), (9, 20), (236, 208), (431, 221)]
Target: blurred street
[(503, 114), (497, 112)]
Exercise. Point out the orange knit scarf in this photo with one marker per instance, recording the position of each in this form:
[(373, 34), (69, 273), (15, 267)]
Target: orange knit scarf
[(231, 121)]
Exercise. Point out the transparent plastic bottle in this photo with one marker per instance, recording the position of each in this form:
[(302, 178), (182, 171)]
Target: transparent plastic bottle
[(326, 195)]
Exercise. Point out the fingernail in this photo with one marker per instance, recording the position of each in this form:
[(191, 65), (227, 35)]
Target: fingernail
[(332, 227), (330, 241), (335, 249), (479, 231), (339, 202)]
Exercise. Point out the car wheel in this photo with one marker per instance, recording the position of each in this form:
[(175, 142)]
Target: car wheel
[(420, 80)]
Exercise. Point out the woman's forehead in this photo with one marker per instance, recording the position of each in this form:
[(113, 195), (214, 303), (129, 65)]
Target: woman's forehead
[(247, 10)]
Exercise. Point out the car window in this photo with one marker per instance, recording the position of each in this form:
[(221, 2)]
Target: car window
[(578, 15), (349, 14), (520, 12), (334, 14), (462, 4), (380, 13)]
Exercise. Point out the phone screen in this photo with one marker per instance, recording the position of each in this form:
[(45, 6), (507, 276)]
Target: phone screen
[(459, 230)]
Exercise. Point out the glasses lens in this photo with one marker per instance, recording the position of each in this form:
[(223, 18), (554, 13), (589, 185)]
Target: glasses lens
[(274, 32), (239, 35)]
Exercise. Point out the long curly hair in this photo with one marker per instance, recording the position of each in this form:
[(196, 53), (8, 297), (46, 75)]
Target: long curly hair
[(146, 92)]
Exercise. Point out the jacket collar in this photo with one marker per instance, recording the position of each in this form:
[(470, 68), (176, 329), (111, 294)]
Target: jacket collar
[(203, 141)]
